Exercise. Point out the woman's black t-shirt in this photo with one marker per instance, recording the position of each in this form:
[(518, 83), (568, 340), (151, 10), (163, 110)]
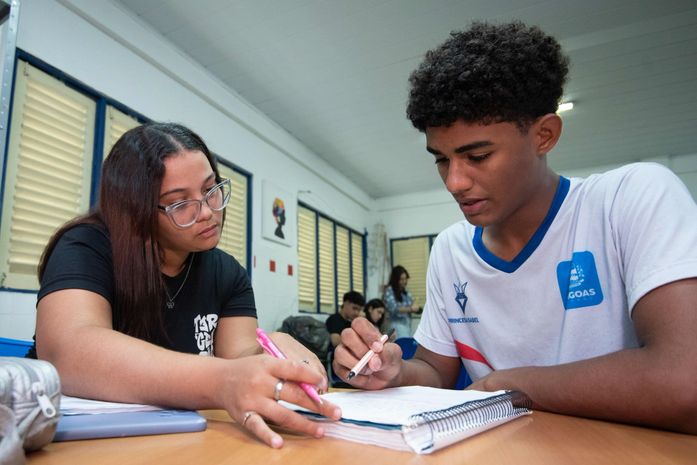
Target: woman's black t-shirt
[(216, 287)]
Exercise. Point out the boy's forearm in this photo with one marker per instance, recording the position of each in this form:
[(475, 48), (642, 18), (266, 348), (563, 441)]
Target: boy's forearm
[(625, 386)]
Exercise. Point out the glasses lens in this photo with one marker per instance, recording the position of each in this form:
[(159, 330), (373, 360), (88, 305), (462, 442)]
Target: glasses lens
[(185, 213), (219, 196)]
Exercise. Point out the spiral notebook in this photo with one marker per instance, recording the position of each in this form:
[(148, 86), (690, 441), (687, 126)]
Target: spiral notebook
[(418, 418)]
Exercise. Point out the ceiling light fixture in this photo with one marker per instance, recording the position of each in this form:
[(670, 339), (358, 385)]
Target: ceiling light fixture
[(565, 106)]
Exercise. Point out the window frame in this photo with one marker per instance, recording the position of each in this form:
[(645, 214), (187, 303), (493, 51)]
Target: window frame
[(430, 237), (351, 232), (249, 176)]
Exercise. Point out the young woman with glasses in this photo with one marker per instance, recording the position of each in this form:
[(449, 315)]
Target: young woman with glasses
[(134, 293)]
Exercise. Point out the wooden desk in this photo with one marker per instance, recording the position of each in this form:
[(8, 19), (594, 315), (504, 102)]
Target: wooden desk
[(541, 438)]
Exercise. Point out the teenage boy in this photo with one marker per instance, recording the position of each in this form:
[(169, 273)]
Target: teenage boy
[(579, 292), (351, 307)]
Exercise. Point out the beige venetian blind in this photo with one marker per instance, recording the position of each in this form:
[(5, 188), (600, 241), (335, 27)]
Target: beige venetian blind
[(233, 239), (307, 259), (357, 262), (413, 254), (326, 266), (117, 122), (343, 264), (49, 164)]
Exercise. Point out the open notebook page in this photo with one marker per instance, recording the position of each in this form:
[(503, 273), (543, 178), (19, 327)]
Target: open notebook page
[(394, 406)]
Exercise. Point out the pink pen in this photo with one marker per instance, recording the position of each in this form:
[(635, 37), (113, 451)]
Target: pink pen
[(267, 344)]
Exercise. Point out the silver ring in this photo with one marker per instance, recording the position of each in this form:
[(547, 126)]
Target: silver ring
[(277, 390), (246, 416)]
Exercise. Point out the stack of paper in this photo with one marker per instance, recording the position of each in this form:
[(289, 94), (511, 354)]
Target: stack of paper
[(79, 406)]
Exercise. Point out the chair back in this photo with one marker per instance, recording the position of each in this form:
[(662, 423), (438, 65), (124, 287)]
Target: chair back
[(408, 345), (14, 347)]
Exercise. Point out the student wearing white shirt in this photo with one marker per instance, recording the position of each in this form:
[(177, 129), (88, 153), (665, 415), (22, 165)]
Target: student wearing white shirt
[(579, 292)]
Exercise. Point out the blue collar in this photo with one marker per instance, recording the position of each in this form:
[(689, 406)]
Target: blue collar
[(510, 267)]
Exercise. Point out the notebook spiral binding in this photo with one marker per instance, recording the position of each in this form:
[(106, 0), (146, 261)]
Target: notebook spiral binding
[(425, 429)]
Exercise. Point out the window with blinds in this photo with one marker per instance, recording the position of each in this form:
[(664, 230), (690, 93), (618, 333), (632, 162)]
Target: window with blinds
[(357, 260), (233, 239), (413, 255), (48, 175), (327, 272), (330, 262), (116, 123), (307, 259), (343, 264)]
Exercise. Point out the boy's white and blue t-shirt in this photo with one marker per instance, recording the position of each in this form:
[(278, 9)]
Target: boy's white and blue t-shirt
[(607, 240)]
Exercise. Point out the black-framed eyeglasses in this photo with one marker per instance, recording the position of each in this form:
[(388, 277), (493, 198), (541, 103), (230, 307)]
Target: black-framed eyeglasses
[(185, 212)]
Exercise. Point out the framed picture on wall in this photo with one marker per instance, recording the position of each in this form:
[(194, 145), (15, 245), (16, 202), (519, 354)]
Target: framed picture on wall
[(278, 214)]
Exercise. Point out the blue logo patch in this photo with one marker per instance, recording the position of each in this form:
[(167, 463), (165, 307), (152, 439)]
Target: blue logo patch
[(578, 281)]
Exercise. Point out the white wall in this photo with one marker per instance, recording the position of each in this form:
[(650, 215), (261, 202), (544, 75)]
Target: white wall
[(103, 47)]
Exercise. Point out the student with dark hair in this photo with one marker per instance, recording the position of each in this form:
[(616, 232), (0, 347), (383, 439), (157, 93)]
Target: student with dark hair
[(351, 306), (374, 312), (138, 305), (399, 302), (579, 292)]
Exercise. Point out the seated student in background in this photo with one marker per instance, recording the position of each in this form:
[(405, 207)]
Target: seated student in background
[(374, 311), (399, 302), (133, 294), (579, 292), (350, 308)]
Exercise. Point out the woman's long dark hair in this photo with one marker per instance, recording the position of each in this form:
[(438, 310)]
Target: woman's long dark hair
[(374, 303), (397, 272), (128, 198)]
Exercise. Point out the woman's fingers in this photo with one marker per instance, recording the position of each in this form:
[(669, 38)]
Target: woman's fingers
[(256, 425), (297, 370), (269, 410), (292, 373), (294, 394), (294, 421), (267, 380), (296, 351), (284, 418)]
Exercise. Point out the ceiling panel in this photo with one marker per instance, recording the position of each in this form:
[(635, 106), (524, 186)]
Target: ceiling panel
[(334, 73)]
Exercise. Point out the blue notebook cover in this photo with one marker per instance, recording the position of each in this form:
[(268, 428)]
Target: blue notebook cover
[(114, 425)]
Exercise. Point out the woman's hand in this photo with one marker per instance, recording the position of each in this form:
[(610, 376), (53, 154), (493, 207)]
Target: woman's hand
[(294, 350), (251, 386)]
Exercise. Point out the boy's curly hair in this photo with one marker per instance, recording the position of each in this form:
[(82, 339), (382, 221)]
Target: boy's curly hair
[(489, 74)]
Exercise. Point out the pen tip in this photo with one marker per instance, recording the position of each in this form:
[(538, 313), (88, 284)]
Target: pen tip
[(351, 375)]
